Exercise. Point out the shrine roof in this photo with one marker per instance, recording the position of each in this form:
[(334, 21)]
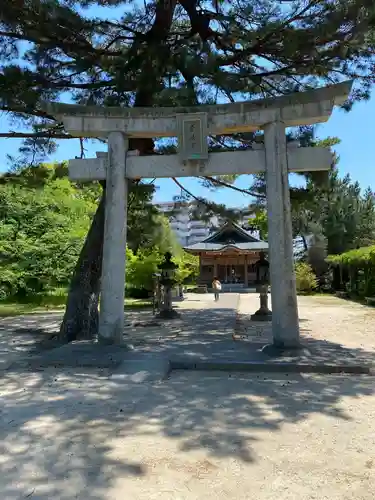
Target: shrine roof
[(229, 236), (216, 247)]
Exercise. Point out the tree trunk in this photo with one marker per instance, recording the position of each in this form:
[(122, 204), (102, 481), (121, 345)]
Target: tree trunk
[(337, 279), (81, 318), (304, 242)]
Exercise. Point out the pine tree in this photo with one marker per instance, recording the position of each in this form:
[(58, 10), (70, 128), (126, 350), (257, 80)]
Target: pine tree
[(175, 52)]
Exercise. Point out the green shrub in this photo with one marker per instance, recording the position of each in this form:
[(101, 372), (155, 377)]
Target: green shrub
[(138, 293), (357, 269), (306, 281), (358, 257)]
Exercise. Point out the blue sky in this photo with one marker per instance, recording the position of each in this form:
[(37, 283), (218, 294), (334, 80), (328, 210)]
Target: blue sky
[(356, 150)]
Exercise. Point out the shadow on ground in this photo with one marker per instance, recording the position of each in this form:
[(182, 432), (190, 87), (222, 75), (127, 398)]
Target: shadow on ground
[(72, 434), (59, 431), (218, 333)]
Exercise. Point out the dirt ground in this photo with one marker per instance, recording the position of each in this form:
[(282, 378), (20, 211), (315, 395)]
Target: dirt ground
[(195, 436), (329, 323), (338, 320), (79, 434)]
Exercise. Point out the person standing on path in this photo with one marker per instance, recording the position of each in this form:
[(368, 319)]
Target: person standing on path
[(216, 285)]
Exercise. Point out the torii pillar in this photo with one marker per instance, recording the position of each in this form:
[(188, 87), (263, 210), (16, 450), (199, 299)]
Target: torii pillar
[(111, 318), (285, 322)]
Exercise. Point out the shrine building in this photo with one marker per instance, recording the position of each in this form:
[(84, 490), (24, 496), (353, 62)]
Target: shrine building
[(229, 254)]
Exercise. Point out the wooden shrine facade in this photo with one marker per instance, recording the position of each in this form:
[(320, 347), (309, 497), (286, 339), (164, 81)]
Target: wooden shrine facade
[(230, 254)]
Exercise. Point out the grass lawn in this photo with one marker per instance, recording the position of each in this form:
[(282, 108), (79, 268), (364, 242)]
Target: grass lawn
[(53, 301), (15, 309)]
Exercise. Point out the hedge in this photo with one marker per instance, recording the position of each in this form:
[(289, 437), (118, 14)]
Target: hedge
[(357, 270), (360, 257)]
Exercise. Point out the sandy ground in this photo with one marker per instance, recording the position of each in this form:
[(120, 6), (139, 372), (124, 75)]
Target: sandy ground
[(195, 436), (326, 322), (68, 434)]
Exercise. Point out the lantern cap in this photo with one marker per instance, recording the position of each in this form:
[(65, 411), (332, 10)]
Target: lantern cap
[(168, 263)]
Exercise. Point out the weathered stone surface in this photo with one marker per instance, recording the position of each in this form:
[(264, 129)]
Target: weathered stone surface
[(192, 136), (280, 239), (266, 367), (111, 319), (142, 367), (6, 363), (301, 108), (123, 363), (238, 162)]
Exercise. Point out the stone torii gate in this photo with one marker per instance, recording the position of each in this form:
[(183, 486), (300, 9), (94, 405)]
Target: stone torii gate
[(192, 125)]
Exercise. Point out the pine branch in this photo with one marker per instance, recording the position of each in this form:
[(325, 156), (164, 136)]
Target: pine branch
[(199, 200), (26, 111), (35, 135), (243, 191)]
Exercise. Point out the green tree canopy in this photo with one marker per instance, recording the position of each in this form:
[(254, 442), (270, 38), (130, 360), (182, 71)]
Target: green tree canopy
[(45, 219)]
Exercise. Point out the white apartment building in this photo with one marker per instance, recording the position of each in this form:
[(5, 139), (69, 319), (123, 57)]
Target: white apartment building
[(190, 231), (187, 229)]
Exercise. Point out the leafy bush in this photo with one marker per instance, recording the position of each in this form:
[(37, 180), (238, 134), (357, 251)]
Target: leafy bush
[(41, 234), (137, 293), (305, 278), (358, 257), (357, 269), (141, 266)]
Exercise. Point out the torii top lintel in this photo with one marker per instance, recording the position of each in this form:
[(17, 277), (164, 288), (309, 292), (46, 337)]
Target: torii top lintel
[(299, 108)]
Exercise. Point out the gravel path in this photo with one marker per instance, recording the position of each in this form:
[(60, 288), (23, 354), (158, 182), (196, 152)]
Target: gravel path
[(80, 435), (331, 326)]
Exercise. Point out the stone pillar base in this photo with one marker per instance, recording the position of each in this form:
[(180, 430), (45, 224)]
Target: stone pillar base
[(108, 342), (277, 350), (262, 315), (168, 314)]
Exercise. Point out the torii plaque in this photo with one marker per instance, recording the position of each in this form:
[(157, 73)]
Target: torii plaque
[(192, 136)]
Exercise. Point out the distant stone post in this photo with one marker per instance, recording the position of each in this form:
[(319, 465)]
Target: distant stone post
[(167, 270), (262, 280)]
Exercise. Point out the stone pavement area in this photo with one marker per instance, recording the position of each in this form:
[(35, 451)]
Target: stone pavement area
[(333, 330), (109, 434), (205, 329)]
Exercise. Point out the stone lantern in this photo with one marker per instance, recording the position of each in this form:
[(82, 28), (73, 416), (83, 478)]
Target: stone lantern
[(157, 292), (167, 279), (262, 281)]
